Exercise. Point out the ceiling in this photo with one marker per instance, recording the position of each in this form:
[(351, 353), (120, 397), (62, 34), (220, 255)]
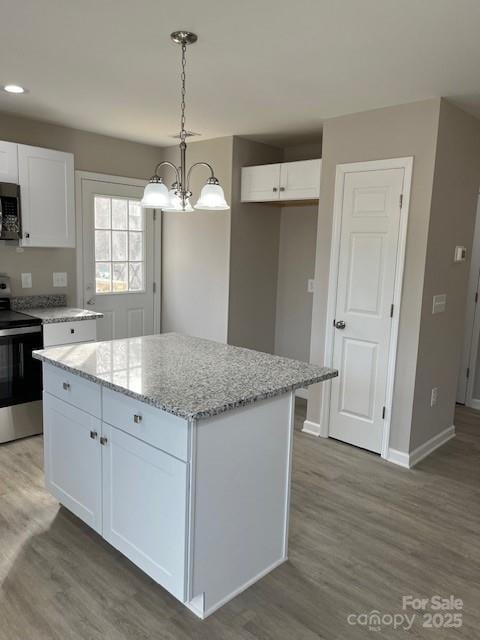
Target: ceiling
[(269, 69)]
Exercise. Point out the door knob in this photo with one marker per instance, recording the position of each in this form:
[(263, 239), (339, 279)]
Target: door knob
[(340, 324)]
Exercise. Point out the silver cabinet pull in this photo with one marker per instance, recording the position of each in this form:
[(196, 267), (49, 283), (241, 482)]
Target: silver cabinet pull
[(137, 418), (93, 435), (66, 386), (340, 324), (275, 189), (282, 188), (103, 440)]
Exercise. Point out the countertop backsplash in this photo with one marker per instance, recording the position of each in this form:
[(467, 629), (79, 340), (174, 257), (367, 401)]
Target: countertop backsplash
[(22, 303)]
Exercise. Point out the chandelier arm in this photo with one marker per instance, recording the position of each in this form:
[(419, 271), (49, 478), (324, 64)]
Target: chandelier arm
[(166, 163), (198, 164)]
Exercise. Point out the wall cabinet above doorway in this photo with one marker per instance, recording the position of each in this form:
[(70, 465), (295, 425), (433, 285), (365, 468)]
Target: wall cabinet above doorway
[(282, 182)]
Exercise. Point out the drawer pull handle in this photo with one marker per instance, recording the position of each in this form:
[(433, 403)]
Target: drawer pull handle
[(137, 418), (66, 386), (103, 440), (72, 330), (93, 435)]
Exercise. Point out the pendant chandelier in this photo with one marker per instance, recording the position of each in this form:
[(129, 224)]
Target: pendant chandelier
[(177, 198)]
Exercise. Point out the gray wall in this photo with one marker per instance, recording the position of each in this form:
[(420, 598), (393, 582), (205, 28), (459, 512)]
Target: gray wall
[(253, 257), (296, 264), (405, 130), (92, 153), (452, 220), (196, 251)]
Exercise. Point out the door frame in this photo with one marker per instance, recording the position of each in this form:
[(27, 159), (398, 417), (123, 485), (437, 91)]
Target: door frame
[(80, 176), (341, 171), (472, 322)]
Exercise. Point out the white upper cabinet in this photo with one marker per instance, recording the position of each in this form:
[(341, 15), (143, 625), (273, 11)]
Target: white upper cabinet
[(261, 184), (46, 179), (8, 162), (281, 182), (300, 180)]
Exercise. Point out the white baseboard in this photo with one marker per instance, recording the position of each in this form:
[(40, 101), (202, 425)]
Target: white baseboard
[(197, 605), (429, 446), (302, 393), (398, 457), (409, 460), (313, 428), (474, 404)]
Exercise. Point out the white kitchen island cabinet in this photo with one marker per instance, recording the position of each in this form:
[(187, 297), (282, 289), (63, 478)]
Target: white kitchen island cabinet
[(181, 459)]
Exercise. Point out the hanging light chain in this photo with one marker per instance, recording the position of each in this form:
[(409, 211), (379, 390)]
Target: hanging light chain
[(183, 133)]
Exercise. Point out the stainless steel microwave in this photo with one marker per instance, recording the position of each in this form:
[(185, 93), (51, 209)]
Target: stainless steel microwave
[(10, 217)]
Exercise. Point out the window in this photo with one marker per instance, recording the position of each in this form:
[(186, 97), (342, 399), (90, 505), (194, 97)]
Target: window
[(119, 245)]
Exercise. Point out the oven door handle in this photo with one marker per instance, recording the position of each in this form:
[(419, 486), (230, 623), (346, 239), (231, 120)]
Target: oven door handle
[(17, 331)]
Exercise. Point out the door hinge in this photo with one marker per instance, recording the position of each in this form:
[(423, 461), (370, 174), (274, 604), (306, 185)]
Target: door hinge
[(468, 372), (384, 410), (334, 322), (401, 200), (154, 214), (154, 287), (476, 297), (391, 310)]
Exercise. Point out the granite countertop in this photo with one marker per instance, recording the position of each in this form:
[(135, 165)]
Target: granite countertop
[(188, 377), (49, 315)]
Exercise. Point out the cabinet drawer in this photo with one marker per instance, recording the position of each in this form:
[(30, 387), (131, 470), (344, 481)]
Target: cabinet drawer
[(72, 389), (59, 333), (153, 426)]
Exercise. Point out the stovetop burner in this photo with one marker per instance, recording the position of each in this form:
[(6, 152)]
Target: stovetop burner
[(11, 319)]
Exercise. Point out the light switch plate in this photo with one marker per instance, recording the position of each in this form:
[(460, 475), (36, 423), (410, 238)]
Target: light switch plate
[(311, 285), (439, 303), (59, 279), (26, 280), (460, 254)]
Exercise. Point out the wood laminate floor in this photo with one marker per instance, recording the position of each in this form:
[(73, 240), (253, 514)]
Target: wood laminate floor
[(363, 533)]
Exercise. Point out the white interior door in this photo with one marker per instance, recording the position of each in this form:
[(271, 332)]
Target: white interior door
[(370, 223), (118, 258)]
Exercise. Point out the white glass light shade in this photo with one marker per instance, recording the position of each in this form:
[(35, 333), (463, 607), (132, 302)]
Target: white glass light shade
[(175, 202), (155, 196), (212, 198)]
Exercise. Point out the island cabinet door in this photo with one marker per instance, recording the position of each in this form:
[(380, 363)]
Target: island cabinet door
[(145, 507), (73, 459)]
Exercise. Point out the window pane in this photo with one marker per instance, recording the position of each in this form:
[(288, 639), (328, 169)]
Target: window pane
[(102, 212), (119, 214), (135, 276), (135, 245), (103, 275), (120, 276), (119, 245), (102, 245), (135, 215)]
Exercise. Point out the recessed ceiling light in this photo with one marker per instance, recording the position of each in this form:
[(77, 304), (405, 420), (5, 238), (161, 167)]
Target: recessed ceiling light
[(13, 88)]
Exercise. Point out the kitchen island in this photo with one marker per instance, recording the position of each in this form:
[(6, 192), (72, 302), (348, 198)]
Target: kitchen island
[(177, 451)]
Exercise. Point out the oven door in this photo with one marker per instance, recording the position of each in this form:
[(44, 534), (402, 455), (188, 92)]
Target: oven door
[(20, 374)]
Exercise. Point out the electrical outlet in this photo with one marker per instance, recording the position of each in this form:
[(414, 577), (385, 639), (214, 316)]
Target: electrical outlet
[(26, 280), (59, 279), (311, 285), (434, 397)]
